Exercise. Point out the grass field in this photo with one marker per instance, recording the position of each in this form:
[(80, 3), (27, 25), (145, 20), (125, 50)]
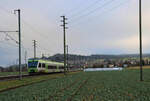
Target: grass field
[(11, 73), (86, 86)]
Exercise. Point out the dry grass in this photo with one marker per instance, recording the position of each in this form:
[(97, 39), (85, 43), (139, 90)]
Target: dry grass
[(138, 67)]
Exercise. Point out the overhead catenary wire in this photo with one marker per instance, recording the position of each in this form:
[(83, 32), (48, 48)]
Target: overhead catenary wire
[(12, 13), (46, 37), (6, 10), (7, 43), (6, 49), (14, 40), (24, 21), (28, 25), (11, 38)]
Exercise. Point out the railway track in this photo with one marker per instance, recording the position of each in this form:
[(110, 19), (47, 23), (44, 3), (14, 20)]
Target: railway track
[(2, 78), (12, 77)]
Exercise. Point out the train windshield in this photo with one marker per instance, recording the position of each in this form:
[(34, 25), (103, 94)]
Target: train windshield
[(32, 64)]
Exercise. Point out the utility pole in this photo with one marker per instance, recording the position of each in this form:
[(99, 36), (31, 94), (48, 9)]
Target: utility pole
[(64, 30), (25, 58), (43, 56), (140, 38), (19, 31), (67, 58), (34, 45)]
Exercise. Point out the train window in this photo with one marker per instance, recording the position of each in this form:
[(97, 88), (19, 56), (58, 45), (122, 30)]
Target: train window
[(43, 65), (33, 64), (61, 67), (40, 65), (52, 67)]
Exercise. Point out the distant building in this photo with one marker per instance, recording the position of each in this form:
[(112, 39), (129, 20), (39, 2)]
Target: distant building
[(1, 69), (105, 66), (125, 65), (111, 65)]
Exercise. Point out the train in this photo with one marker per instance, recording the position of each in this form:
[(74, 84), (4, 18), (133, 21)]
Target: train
[(44, 66)]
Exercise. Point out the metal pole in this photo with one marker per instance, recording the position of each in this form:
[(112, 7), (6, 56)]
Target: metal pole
[(34, 44), (67, 58), (64, 45), (64, 30), (34, 50), (19, 31), (19, 23), (25, 58), (8, 31), (140, 38)]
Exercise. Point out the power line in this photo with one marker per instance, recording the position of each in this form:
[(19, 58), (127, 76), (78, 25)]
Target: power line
[(10, 44), (25, 22), (106, 11), (33, 29), (28, 25), (43, 49), (6, 49), (7, 11), (93, 11), (86, 9), (11, 38), (17, 43), (7, 35), (77, 7), (36, 31), (24, 49)]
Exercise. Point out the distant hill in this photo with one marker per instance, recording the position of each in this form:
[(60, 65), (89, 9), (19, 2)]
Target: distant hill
[(1, 67), (72, 57)]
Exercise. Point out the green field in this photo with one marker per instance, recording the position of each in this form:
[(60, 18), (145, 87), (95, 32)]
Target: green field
[(86, 86), (11, 73)]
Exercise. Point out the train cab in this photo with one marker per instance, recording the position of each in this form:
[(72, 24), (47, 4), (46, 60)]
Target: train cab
[(32, 66)]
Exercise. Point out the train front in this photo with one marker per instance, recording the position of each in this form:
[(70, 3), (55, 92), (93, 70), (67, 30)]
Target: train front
[(32, 66)]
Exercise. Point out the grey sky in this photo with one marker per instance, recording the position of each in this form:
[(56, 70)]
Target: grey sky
[(95, 27)]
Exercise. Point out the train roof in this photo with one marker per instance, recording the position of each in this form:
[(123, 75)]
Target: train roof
[(46, 61)]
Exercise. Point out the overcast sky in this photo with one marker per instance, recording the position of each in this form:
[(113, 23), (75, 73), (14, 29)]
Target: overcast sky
[(95, 27)]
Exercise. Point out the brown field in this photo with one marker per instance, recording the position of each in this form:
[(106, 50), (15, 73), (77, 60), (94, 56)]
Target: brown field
[(138, 67)]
